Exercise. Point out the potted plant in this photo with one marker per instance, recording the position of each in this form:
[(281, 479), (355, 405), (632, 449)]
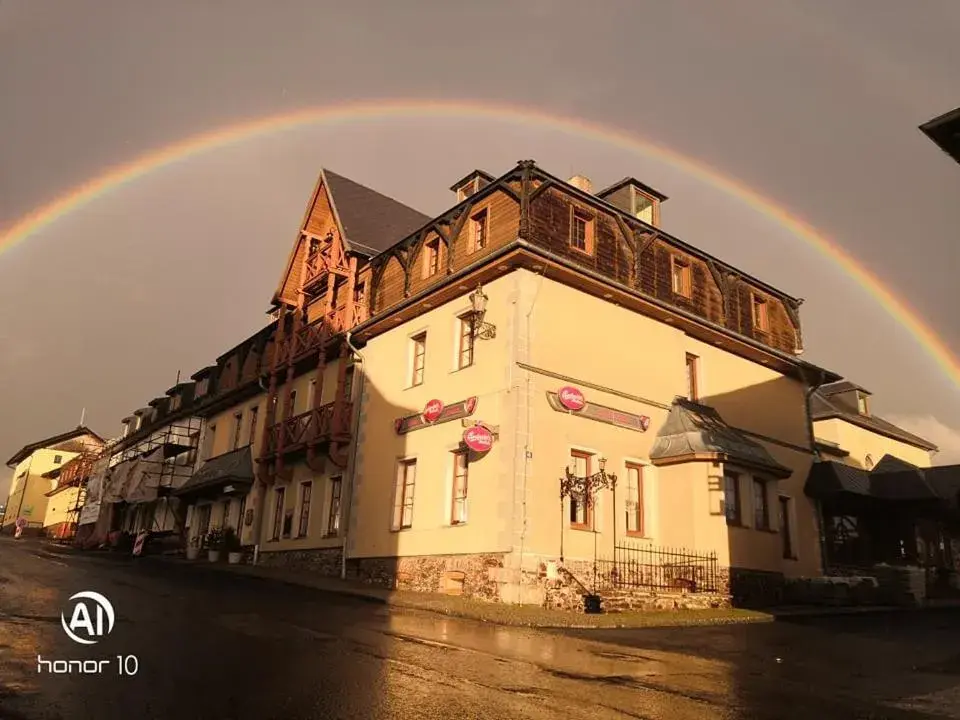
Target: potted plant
[(193, 547), (231, 543), (214, 544)]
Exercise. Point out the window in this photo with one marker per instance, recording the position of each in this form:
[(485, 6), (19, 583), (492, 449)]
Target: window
[(862, 406), (634, 500), (581, 232), (403, 501), (786, 529), (277, 512), (693, 367), (431, 258), (201, 387), (311, 394), (360, 294), (461, 471), (581, 506), (57, 459), (254, 411), (306, 490), (760, 320), (348, 384), (680, 273), (643, 207), (478, 230), (419, 359), (731, 498), (333, 517), (237, 425), (761, 514), (465, 342), (209, 440), (226, 514), (174, 403), (292, 403)]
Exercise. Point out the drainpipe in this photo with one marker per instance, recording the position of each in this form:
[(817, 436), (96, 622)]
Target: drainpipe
[(358, 392), (818, 509)]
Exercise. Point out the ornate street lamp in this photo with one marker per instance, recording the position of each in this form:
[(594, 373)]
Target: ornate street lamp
[(584, 488), (478, 309)]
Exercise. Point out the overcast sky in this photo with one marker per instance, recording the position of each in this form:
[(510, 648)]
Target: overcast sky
[(813, 104)]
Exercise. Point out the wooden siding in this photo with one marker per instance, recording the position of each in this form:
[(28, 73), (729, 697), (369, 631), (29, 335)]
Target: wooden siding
[(551, 214), (320, 221), (391, 281)]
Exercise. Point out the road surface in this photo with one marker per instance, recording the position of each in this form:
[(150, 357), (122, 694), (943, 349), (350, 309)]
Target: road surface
[(211, 645)]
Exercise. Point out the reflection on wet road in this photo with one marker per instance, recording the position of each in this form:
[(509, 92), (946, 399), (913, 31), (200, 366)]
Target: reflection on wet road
[(212, 645)]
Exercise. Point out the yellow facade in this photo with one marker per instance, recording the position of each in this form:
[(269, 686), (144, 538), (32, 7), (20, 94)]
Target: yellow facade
[(866, 447), (28, 489), (550, 335), (61, 507)]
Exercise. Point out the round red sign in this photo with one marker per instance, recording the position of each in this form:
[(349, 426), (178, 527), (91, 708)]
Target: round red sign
[(571, 398), (478, 438), (433, 410)]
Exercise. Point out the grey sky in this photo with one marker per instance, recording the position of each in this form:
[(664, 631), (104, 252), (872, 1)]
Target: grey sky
[(813, 104)]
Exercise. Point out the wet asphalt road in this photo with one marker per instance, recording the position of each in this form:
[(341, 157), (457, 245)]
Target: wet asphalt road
[(212, 646)]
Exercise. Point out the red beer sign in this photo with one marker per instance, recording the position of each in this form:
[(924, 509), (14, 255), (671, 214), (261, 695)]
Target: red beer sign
[(432, 410), (571, 398), (478, 438)]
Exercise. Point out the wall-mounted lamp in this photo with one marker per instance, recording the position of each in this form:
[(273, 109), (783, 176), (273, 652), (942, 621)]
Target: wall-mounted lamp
[(478, 309)]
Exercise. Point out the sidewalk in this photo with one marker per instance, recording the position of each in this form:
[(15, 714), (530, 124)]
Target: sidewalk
[(452, 606)]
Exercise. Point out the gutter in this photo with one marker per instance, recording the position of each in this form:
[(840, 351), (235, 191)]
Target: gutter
[(358, 357), (815, 452)]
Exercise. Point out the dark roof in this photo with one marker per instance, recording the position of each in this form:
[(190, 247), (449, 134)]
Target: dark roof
[(944, 131), (369, 218), (27, 450), (693, 429), (233, 467), (260, 336), (205, 372), (841, 386), (892, 479), (470, 176), (178, 387), (825, 408), (632, 181)]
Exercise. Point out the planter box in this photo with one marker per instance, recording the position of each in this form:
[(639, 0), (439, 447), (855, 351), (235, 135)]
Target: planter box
[(193, 553), (213, 555), (234, 558)]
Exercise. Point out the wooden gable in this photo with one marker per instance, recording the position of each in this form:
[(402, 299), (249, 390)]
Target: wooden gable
[(320, 230)]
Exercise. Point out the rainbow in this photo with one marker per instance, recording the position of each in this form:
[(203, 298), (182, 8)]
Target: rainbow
[(150, 162)]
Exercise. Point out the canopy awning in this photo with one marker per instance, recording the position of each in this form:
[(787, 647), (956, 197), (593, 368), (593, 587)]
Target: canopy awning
[(217, 475), (694, 432)]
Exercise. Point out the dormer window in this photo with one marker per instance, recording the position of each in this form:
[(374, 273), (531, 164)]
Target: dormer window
[(478, 230), (581, 232), (465, 191), (862, 405), (643, 207), (761, 320), (471, 184), (680, 276), (174, 403), (431, 258)]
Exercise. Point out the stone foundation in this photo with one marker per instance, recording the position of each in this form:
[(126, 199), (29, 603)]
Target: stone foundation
[(322, 561), (574, 579), (472, 576)]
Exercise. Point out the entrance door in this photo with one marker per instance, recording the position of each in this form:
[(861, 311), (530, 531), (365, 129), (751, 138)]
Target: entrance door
[(203, 522), (786, 530)]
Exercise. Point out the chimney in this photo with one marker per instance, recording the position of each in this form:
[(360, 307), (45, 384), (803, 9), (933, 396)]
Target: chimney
[(581, 183)]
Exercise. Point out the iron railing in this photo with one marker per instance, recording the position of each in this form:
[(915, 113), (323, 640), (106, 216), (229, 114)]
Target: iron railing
[(656, 568)]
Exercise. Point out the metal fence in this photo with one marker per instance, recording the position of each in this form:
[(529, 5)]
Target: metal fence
[(647, 566)]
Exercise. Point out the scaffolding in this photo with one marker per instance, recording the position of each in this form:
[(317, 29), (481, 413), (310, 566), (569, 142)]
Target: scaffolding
[(154, 467), (75, 473)]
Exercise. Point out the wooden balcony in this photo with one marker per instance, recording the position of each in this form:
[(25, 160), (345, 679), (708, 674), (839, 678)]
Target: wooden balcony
[(309, 338), (314, 426)]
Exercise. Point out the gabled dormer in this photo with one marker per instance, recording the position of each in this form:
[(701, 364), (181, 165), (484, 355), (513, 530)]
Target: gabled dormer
[(472, 183), (632, 196), (202, 382)]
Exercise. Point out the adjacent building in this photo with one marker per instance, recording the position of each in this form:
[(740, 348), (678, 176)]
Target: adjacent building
[(28, 498)]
